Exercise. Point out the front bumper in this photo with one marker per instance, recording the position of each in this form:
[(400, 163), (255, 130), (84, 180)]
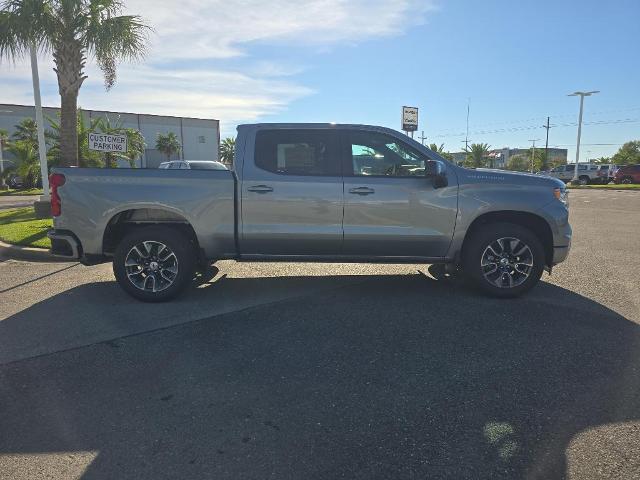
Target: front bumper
[(561, 252), (64, 244)]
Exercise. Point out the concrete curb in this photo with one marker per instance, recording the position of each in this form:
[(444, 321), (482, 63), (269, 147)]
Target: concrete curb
[(18, 252)]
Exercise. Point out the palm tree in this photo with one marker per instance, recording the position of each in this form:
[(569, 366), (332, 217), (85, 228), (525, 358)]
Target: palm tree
[(168, 144), (227, 150), (72, 30), (26, 131), (86, 157), (440, 151), (28, 162), (476, 154)]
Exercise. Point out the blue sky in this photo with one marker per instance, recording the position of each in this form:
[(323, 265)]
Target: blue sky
[(360, 61)]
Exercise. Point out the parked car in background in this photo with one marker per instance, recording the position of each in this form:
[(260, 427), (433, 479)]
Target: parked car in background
[(313, 192), (605, 173), (627, 174), (587, 172), (193, 165)]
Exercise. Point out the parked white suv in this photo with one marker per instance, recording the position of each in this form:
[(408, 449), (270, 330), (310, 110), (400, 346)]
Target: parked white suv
[(193, 165), (587, 172)]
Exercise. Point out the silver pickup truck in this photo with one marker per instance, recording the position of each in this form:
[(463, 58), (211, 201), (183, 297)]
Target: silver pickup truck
[(312, 192)]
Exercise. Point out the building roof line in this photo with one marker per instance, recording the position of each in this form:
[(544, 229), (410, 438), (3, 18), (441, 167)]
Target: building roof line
[(111, 111)]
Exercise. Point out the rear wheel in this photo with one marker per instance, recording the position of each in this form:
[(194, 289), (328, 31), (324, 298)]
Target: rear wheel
[(583, 180), (503, 259), (154, 264), (627, 180)]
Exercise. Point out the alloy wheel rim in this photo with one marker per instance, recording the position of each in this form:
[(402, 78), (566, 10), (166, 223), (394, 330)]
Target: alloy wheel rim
[(151, 266), (507, 262)]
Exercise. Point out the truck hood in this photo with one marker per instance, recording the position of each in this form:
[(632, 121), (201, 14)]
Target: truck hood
[(489, 175)]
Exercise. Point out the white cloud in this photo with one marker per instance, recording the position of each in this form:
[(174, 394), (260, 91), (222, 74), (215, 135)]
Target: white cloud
[(212, 30), (219, 28)]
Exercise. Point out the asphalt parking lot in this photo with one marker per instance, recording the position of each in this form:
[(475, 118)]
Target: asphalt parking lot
[(329, 371)]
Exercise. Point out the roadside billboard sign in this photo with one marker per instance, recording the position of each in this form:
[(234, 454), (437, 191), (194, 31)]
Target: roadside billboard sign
[(409, 119), (102, 142)]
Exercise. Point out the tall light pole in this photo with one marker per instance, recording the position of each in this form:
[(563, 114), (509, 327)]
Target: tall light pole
[(533, 154), (545, 165), (42, 149), (466, 138), (581, 95)]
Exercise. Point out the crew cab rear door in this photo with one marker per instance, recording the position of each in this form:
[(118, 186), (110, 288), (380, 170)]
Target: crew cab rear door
[(392, 209), (291, 193)]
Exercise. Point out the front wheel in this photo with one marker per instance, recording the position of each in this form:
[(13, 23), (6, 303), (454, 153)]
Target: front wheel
[(154, 264), (503, 259)]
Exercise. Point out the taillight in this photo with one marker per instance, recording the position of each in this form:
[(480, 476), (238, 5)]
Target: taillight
[(56, 180)]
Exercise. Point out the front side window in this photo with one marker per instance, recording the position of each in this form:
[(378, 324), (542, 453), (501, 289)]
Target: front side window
[(571, 167), (298, 152), (378, 154)]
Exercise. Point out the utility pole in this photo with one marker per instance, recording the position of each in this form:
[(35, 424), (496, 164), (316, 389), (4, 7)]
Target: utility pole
[(466, 138), (422, 138), (533, 153), (545, 164), (581, 95)]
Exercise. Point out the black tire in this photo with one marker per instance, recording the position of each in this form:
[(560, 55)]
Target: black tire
[(182, 258), (627, 180), (584, 180), (478, 244)]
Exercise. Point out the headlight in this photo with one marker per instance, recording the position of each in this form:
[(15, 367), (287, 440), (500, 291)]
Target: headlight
[(561, 194)]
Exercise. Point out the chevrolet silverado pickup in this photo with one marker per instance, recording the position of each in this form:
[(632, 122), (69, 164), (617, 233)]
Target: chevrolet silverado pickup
[(312, 192)]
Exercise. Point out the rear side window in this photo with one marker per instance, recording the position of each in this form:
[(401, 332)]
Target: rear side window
[(298, 152)]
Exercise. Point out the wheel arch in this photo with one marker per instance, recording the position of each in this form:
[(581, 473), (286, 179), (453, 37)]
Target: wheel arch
[(123, 222), (537, 224)]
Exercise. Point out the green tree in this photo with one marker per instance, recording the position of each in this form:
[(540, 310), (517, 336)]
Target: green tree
[(168, 144), (227, 150), (629, 154), (28, 162), (86, 157), (440, 151), (26, 131), (72, 30), (476, 155), (4, 142), (135, 146), (519, 163)]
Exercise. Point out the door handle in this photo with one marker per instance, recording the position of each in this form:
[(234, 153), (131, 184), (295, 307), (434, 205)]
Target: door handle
[(260, 189), (362, 191)]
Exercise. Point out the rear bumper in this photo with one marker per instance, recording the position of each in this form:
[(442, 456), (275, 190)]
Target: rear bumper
[(64, 244)]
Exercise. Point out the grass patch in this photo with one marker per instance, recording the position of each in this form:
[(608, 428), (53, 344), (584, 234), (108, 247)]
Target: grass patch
[(609, 186), (25, 191), (21, 227)]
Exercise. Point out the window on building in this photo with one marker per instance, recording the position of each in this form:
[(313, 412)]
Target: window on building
[(202, 139)]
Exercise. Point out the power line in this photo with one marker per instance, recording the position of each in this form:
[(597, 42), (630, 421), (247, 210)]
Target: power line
[(538, 118), (534, 127)]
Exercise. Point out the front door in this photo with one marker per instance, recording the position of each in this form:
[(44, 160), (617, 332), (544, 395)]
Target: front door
[(291, 198), (391, 208)]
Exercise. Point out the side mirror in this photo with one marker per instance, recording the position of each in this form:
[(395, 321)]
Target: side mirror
[(436, 171)]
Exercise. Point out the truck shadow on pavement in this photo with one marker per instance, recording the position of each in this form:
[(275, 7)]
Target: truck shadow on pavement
[(395, 376)]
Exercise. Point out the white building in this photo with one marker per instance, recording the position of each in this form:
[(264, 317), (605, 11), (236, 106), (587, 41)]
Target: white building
[(199, 137)]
